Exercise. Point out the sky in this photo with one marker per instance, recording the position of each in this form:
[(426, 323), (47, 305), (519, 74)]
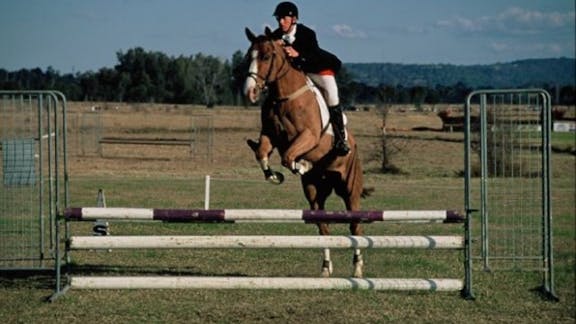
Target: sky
[(74, 36)]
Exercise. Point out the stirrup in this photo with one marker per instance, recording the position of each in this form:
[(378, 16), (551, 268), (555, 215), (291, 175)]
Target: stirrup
[(341, 148)]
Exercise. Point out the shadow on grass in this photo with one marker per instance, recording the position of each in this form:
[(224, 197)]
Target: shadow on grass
[(123, 270), (32, 279)]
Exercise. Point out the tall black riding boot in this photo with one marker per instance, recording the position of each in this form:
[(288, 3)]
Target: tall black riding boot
[(341, 148)]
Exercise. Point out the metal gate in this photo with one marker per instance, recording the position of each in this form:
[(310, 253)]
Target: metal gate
[(34, 180), (507, 167)]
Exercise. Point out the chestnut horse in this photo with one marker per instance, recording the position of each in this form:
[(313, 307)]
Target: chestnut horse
[(292, 123)]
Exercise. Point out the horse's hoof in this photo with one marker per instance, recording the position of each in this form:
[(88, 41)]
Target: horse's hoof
[(358, 266), (276, 178), (304, 166), (327, 268), (300, 167)]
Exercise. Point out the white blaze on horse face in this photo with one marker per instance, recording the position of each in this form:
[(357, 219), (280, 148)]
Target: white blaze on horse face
[(250, 86)]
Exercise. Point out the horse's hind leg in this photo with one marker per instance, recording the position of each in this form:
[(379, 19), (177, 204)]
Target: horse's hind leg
[(354, 186), (358, 261), (316, 193), (327, 267)]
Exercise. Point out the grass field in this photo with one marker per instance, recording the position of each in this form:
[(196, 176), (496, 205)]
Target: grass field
[(430, 162)]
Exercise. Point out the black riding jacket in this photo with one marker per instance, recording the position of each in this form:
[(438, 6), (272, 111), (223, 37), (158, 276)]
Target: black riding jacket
[(311, 59)]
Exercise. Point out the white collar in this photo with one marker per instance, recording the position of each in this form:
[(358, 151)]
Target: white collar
[(290, 36), (292, 33)]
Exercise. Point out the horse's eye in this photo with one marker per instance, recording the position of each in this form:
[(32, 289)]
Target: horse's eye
[(266, 57)]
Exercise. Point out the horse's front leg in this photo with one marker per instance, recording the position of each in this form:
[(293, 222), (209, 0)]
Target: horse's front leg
[(262, 151), (303, 143)]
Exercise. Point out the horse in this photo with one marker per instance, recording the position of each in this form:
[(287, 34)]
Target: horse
[(292, 123)]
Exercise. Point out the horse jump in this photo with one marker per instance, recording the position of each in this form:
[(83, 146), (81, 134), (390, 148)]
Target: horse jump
[(260, 215), (261, 242)]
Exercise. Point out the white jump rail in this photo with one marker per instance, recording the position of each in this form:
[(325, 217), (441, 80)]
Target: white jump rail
[(263, 241), (213, 282)]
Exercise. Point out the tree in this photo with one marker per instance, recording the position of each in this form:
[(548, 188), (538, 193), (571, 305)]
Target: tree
[(180, 81), (89, 84), (107, 83), (347, 87), (389, 146), (239, 70), (208, 75), (418, 94)]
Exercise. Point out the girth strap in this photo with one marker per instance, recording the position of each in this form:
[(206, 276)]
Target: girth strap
[(295, 94)]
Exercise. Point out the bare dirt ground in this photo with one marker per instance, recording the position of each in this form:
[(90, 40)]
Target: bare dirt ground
[(218, 139)]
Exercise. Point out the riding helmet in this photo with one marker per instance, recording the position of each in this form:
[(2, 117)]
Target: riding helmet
[(286, 8)]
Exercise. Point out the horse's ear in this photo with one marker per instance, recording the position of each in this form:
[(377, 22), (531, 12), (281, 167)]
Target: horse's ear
[(267, 31), (250, 35)]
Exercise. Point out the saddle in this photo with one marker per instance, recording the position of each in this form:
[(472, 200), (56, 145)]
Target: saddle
[(324, 112)]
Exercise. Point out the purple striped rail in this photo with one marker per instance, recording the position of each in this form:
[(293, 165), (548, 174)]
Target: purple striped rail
[(259, 215)]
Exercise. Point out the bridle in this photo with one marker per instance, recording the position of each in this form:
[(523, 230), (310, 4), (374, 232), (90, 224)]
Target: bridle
[(266, 80), (262, 82)]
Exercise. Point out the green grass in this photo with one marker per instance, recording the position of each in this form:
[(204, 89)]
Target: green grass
[(564, 142), (429, 183), (566, 138), (502, 296)]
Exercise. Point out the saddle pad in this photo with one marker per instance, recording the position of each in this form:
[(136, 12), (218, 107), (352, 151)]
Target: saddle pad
[(324, 113)]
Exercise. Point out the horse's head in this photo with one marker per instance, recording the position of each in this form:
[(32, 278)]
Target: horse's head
[(267, 59)]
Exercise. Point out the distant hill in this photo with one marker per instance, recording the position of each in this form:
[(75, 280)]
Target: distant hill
[(523, 73)]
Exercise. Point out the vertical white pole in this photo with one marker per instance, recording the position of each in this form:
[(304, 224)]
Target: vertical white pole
[(101, 227), (207, 193)]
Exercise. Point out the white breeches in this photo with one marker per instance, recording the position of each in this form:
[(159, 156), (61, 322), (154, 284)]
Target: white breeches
[(328, 86)]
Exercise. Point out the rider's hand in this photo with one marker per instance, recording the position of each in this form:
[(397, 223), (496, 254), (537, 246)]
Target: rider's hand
[(291, 52)]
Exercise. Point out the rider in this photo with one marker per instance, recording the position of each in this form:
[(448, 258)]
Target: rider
[(321, 66)]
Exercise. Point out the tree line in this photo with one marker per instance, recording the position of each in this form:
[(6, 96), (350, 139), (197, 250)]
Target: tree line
[(527, 73), (152, 76)]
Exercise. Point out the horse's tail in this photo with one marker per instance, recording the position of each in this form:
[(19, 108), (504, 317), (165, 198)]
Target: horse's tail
[(355, 176)]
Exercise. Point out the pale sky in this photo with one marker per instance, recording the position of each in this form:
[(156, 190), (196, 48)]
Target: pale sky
[(82, 35)]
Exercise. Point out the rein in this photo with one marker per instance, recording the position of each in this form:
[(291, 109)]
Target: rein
[(266, 80)]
